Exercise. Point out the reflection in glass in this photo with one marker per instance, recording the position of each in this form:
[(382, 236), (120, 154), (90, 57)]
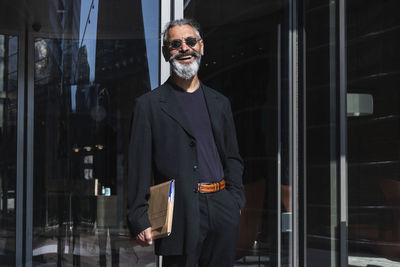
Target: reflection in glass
[(8, 146), (322, 133), (373, 70), (86, 78), (152, 34), (241, 55)]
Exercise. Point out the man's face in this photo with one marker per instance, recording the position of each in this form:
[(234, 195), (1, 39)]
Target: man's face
[(184, 59)]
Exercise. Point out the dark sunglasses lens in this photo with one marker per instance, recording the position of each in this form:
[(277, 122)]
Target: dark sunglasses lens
[(190, 41), (175, 44)]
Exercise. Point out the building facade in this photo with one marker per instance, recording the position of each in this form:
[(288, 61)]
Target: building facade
[(313, 91)]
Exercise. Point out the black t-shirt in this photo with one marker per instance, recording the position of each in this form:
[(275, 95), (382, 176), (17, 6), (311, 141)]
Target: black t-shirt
[(195, 108)]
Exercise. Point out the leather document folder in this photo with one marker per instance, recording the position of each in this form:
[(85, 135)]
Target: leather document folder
[(161, 208)]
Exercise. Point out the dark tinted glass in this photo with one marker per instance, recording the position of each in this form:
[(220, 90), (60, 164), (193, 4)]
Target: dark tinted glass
[(9, 54), (373, 72), (322, 143), (245, 59), (90, 60)]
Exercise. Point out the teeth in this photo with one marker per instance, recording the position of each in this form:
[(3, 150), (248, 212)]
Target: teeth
[(185, 57)]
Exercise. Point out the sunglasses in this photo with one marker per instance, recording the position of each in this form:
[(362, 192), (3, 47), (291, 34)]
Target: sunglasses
[(177, 43)]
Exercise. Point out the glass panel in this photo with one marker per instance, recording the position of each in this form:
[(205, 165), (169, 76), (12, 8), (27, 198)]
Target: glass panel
[(373, 119), (8, 146), (246, 59), (91, 59), (321, 133)]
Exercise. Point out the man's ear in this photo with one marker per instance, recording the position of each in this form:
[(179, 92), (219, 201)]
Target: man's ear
[(165, 53), (201, 47)]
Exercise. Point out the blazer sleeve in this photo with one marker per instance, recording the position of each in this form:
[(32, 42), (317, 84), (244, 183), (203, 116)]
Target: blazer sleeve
[(139, 169), (234, 164)]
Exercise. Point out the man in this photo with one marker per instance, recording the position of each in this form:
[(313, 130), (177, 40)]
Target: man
[(184, 130)]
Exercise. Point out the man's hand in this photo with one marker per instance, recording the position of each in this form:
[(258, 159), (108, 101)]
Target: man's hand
[(144, 238)]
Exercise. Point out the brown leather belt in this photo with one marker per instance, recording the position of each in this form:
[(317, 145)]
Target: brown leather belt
[(210, 187)]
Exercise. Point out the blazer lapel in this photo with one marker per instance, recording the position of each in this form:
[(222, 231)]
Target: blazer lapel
[(171, 106)]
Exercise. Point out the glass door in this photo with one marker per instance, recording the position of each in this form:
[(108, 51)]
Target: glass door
[(9, 71), (373, 131), (352, 75), (322, 178), (88, 61), (246, 59)]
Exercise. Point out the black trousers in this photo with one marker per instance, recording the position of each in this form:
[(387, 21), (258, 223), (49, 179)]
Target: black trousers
[(219, 229)]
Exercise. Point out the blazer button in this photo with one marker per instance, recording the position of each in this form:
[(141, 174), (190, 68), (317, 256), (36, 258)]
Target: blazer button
[(192, 144), (195, 167)]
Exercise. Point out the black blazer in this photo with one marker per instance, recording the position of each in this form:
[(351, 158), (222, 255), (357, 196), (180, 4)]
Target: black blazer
[(162, 146)]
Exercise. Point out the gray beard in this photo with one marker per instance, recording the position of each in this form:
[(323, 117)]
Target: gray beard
[(186, 71)]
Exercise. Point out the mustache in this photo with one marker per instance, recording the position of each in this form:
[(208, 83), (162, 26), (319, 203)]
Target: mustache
[(179, 54)]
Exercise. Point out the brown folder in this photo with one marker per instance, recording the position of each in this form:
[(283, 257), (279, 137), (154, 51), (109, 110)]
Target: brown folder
[(161, 208)]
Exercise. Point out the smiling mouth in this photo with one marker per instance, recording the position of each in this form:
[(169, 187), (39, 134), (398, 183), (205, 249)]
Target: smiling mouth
[(185, 57)]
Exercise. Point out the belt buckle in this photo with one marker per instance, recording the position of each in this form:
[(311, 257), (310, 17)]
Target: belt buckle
[(199, 187)]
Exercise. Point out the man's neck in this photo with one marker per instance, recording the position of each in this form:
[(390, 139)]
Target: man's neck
[(189, 86)]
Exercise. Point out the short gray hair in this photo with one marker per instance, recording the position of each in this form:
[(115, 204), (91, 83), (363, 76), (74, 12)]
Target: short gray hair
[(180, 22)]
